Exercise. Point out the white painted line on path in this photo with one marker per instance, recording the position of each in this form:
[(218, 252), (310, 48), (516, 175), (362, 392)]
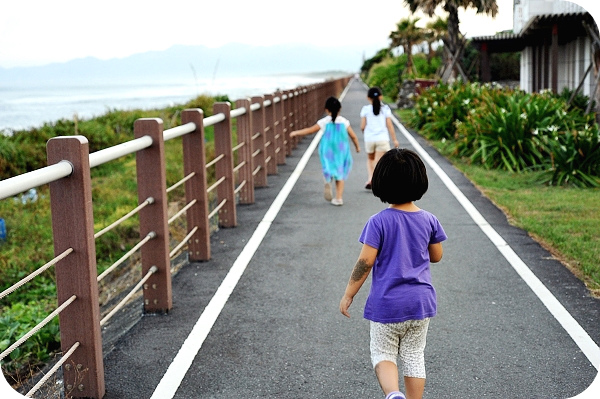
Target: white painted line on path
[(168, 385), (587, 345)]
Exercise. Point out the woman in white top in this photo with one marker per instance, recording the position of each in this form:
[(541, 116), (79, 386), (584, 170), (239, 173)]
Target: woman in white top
[(376, 125)]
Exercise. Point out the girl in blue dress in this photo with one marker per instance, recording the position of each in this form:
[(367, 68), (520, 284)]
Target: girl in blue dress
[(334, 148)]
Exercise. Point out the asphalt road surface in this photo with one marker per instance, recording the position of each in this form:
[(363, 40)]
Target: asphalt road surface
[(273, 330)]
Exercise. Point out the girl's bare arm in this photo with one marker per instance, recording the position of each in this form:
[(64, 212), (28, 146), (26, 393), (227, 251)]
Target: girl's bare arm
[(361, 271), (307, 130), (390, 127), (353, 138), (435, 252)]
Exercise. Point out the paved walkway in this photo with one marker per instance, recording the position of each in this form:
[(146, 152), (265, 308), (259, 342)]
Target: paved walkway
[(273, 330)]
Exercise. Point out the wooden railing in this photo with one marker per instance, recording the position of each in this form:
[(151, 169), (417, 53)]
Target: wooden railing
[(263, 142)]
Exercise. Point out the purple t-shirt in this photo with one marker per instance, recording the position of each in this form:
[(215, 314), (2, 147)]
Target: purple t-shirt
[(401, 286)]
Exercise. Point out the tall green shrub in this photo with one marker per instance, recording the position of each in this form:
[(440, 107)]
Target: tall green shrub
[(500, 132), (513, 130), (574, 156)]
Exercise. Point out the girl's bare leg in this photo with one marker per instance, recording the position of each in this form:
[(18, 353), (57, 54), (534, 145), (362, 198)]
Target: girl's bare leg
[(370, 166), (387, 375), (339, 189), (376, 157), (414, 387)]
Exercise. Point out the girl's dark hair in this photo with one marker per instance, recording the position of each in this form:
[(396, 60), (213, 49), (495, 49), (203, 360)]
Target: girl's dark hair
[(333, 105), (399, 177), (374, 94)]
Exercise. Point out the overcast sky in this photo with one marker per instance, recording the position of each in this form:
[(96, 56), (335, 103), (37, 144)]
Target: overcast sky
[(38, 32)]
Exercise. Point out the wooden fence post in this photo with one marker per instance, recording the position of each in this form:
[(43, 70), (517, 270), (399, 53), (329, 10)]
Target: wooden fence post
[(302, 107), (151, 177), (194, 161), (244, 135), (289, 125), (76, 274), (270, 144), (294, 125), (258, 146), (224, 168), (279, 128)]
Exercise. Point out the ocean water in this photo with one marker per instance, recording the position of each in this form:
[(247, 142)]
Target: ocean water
[(31, 104)]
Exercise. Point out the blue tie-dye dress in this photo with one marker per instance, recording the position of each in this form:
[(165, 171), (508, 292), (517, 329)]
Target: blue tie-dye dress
[(334, 149)]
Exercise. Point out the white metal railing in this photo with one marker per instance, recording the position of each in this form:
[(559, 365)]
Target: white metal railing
[(120, 150), (18, 184)]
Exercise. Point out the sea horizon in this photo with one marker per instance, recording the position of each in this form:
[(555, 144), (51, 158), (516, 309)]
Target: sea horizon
[(25, 106)]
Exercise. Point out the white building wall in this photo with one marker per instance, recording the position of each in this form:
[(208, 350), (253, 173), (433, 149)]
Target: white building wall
[(525, 82), (573, 61), (573, 58), (586, 57), (524, 10)]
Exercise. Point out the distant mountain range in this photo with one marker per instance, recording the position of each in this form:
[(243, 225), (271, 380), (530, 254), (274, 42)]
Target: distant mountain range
[(199, 62)]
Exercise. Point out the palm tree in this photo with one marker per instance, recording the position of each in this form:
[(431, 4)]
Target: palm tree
[(453, 44), (407, 34), (434, 31)]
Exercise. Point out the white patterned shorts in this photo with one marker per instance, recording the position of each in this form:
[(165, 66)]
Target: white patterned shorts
[(406, 339)]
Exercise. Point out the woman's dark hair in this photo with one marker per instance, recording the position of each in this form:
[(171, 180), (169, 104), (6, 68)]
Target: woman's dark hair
[(333, 105), (399, 177), (374, 94)]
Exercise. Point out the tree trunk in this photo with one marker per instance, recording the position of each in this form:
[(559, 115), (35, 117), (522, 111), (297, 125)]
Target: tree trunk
[(409, 60), (453, 33), (430, 52)]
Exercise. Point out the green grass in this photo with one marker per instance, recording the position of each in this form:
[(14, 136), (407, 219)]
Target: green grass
[(565, 220)]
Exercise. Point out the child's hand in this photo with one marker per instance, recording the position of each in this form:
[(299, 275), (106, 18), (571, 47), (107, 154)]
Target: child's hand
[(345, 304)]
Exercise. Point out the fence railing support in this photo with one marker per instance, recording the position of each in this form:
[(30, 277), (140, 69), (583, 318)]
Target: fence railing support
[(244, 135), (270, 143), (278, 126), (194, 161), (224, 168), (151, 177), (73, 227), (258, 128), (289, 124)]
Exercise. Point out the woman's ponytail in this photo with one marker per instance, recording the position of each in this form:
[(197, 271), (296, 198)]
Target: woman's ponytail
[(374, 94), (333, 105)]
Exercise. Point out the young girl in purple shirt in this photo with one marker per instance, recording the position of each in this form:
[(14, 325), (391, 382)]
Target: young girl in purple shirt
[(399, 243)]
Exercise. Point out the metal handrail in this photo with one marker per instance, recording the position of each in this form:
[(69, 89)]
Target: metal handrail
[(120, 150), (26, 181), (179, 131), (213, 120)]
